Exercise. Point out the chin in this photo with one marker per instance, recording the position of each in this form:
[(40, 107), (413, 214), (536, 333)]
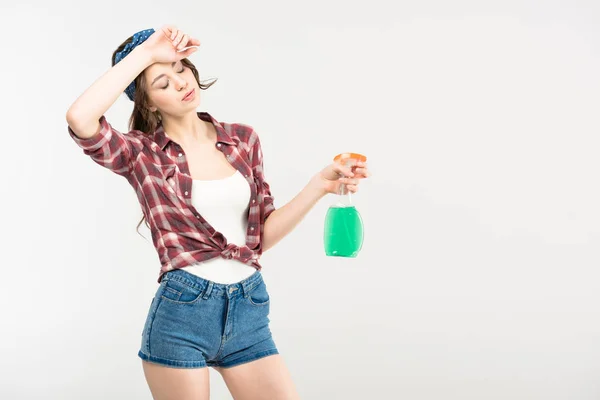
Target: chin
[(194, 103)]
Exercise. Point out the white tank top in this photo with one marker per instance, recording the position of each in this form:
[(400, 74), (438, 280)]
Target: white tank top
[(223, 203)]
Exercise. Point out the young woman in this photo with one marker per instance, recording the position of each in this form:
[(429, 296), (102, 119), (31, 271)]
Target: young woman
[(204, 196)]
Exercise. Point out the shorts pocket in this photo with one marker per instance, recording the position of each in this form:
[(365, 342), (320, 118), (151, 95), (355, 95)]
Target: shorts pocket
[(259, 296), (180, 293)]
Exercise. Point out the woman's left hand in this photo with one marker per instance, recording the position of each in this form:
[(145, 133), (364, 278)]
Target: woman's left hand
[(334, 175)]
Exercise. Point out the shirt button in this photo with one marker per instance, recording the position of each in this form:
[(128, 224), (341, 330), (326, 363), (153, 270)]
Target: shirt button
[(197, 216), (186, 193), (218, 144), (180, 154), (253, 201), (251, 228)]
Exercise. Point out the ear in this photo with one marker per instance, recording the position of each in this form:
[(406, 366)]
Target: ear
[(151, 107)]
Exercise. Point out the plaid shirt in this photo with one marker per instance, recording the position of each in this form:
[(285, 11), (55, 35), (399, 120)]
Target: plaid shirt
[(157, 169)]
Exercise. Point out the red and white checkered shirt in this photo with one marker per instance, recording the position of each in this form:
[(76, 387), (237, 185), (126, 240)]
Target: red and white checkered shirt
[(157, 169)]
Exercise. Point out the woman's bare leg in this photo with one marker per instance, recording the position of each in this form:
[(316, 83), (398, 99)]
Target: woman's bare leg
[(168, 383), (264, 379)]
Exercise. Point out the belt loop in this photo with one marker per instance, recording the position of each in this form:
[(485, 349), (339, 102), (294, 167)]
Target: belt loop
[(244, 286), (208, 290)]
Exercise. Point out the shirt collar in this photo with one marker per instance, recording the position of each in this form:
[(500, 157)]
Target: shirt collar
[(161, 138)]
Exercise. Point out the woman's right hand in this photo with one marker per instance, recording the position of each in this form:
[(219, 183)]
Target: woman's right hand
[(165, 43)]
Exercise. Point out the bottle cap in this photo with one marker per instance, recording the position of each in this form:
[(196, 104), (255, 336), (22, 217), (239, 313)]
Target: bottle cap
[(345, 156)]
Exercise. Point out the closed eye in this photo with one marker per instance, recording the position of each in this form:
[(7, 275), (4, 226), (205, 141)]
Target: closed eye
[(179, 72)]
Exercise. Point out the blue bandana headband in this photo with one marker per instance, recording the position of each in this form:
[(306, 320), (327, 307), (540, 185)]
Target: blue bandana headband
[(138, 38)]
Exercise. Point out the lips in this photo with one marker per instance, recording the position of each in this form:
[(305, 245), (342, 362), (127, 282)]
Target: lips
[(188, 95)]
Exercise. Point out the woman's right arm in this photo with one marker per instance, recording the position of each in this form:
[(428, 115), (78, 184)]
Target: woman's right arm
[(88, 126), (84, 114)]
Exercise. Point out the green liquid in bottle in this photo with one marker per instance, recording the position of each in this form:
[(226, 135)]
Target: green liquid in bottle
[(343, 232)]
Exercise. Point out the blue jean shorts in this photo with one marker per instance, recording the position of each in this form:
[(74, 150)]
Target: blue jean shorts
[(195, 323)]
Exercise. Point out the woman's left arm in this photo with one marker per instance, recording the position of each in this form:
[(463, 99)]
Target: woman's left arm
[(284, 219)]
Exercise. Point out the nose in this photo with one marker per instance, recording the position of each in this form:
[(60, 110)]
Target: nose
[(181, 83)]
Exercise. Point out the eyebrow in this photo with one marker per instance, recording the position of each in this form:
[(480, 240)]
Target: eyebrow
[(161, 75)]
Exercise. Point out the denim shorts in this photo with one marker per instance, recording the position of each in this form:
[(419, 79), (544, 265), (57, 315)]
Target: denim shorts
[(195, 323)]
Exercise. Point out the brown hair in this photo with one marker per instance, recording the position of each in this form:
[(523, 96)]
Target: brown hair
[(142, 119)]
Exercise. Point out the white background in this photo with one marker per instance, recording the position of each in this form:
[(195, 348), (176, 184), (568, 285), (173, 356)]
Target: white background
[(479, 274)]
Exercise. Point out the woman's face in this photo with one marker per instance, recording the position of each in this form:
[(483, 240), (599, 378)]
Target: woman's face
[(167, 84)]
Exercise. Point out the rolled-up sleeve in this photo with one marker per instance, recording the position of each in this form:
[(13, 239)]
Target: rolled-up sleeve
[(268, 201), (110, 148)]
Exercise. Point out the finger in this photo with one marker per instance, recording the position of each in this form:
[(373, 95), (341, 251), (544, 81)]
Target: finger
[(194, 42), (352, 188), (342, 170), (188, 51), (174, 32), (359, 165), (167, 30), (178, 38), (363, 172), (183, 43)]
